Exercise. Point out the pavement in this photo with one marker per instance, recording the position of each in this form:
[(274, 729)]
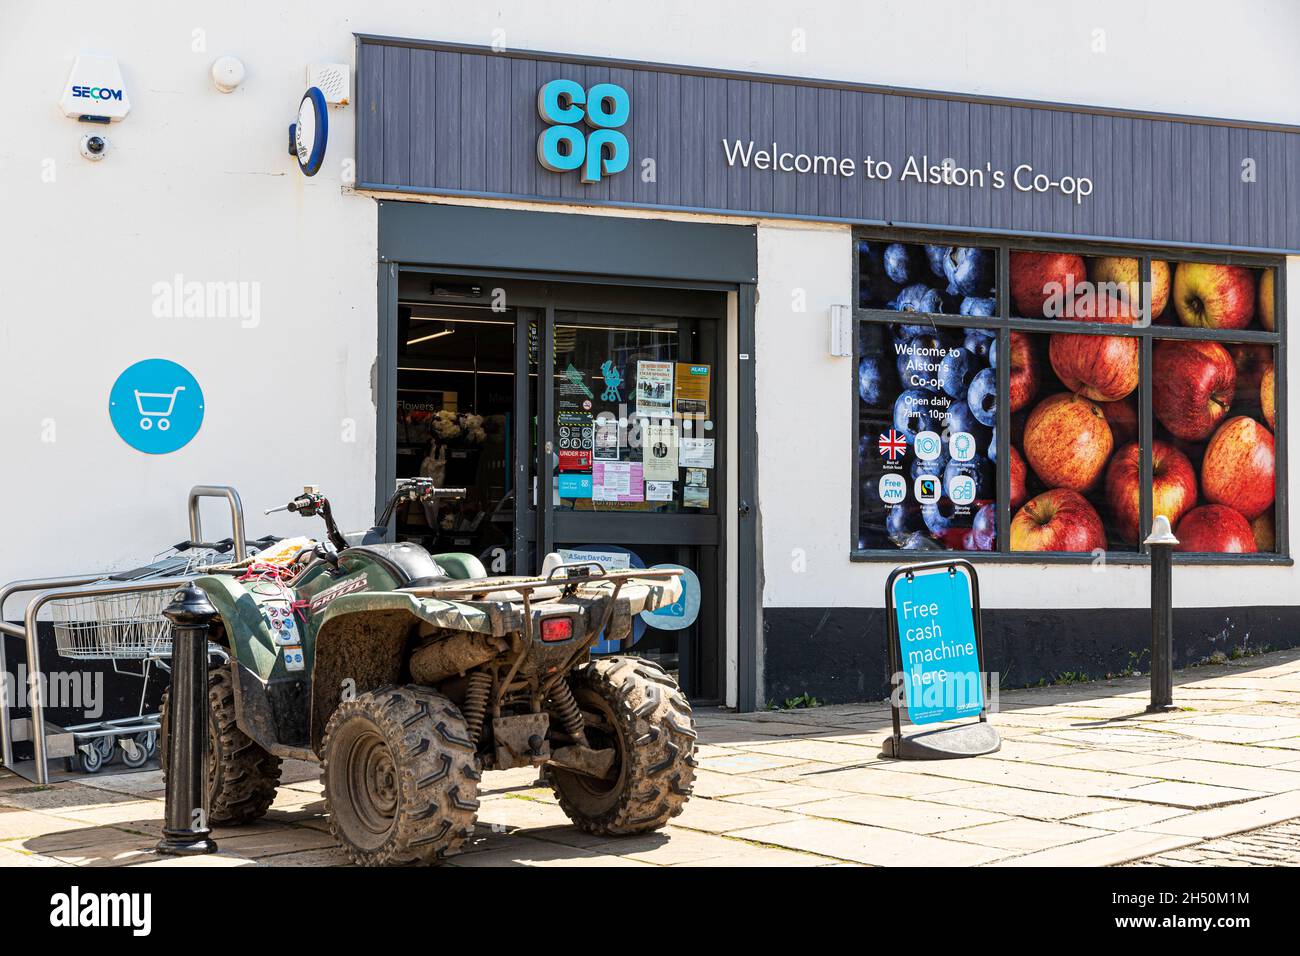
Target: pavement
[(1084, 778)]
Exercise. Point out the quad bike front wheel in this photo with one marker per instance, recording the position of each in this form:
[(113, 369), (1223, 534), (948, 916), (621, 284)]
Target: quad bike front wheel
[(632, 705), (401, 779), (242, 776)]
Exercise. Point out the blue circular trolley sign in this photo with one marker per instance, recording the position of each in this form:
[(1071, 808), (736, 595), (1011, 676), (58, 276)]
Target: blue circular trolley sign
[(156, 406)]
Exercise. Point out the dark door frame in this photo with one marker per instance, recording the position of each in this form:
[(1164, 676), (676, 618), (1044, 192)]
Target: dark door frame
[(430, 238)]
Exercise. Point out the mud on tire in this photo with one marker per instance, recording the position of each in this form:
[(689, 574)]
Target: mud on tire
[(634, 706), (242, 776), (401, 779)]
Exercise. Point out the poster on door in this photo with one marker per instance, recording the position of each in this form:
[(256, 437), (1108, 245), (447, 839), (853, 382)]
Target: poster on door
[(659, 451), (576, 433), (654, 389)]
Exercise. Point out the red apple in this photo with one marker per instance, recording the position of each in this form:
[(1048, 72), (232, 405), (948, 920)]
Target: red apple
[(1264, 302), (1251, 360), (1121, 277), (1268, 397), (1018, 475), (1123, 419), (1101, 367), (1067, 441), (1057, 520), (1039, 276), (1192, 386), (1023, 371), (1262, 528), (1211, 296), (1214, 528), (1238, 466), (1173, 486)]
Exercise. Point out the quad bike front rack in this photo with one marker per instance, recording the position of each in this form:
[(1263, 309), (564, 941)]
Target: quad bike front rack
[(104, 616)]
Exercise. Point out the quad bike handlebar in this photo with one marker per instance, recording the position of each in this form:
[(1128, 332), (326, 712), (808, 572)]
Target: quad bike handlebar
[(311, 502)]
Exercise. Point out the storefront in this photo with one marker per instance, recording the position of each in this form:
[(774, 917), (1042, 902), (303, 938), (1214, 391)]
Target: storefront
[(784, 332)]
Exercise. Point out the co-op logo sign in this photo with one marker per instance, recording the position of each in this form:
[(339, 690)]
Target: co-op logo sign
[(585, 128)]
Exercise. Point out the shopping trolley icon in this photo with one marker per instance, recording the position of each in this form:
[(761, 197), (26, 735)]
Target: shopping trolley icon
[(157, 405)]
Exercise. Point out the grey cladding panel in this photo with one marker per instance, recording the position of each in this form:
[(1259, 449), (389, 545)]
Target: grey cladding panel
[(440, 118)]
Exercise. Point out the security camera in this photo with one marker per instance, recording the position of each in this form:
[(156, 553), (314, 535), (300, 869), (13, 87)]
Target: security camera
[(94, 147)]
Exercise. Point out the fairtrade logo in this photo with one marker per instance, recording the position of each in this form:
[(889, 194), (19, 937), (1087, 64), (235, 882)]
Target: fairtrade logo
[(927, 489), (565, 146)]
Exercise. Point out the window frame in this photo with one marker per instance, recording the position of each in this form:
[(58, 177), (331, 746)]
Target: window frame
[(1005, 323)]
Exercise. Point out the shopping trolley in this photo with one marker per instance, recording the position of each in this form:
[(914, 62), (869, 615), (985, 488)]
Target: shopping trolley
[(157, 405), (126, 629), (107, 616)]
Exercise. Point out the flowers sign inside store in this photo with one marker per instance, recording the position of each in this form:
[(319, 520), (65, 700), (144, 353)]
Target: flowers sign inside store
[(918, 169)]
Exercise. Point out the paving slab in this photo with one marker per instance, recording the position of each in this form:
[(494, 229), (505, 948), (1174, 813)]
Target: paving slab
[(1109, 850), (871, 845), (1029, 804), (1224, 821), (1192, 795), (1024, 835), (895, 813)]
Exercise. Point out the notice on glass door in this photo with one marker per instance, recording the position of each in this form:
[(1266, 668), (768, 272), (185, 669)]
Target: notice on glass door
[(659, 450), (654, 389), (691, 390), (696, 453), (617, 481)]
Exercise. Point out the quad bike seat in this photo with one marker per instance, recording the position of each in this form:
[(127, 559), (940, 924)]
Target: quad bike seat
[(452, 566), (406, 562)]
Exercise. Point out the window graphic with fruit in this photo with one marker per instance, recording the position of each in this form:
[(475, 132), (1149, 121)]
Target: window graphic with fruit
[(927, 401), (1074, 463)]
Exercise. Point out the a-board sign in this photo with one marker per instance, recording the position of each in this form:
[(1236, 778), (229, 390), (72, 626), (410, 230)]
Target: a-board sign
[(937, 643)]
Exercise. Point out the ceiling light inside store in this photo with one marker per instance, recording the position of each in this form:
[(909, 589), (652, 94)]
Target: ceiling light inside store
[(426, 338)]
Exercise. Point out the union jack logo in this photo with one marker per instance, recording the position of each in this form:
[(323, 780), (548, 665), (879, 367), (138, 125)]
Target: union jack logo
[(893, 444)]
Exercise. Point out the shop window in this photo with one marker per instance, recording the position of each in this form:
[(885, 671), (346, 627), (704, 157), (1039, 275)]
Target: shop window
[(1075, 288), (1069, 475), (927, 278), (927, 412), (1215, 413), (1076, 468)]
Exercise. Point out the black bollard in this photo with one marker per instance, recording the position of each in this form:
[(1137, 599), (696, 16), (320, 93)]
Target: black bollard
[(1162, 542), (185, 830)]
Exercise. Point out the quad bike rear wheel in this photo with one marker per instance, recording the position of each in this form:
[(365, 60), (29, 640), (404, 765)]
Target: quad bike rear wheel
[(632, 705), (242, 776), (401, 778)]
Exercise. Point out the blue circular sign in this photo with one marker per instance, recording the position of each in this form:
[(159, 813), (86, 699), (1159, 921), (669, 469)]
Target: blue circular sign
[(156, 406), (682, 613), (311, 132)]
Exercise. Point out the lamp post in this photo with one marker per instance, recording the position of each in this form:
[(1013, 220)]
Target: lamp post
[(1161, 541), (185, 828)]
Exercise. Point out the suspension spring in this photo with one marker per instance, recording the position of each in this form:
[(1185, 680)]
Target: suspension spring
[(476, 699), (566, 709)]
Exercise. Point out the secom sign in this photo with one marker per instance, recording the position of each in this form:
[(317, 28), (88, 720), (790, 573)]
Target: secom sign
[(564, 146)]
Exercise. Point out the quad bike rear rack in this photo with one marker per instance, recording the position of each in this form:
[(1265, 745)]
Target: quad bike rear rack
[(65, 741)]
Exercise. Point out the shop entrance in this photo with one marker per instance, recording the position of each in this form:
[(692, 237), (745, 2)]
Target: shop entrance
[(612, 399)]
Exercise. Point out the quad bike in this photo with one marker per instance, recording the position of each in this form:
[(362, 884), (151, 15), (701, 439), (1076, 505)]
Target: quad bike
[(407, 674)]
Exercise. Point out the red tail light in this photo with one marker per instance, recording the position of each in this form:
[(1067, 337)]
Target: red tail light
[(557, 629)]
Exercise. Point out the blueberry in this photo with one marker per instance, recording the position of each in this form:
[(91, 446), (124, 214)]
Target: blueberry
[(973, 305), (870, 379), (955, 372), (937, 255), (993, 445), (915, 411), (969, 271), (984, 529), (903, 262), (962, 419), (978, 342), (938, 516), (916, 541), (983, 397), (902, 520), (918, 298)]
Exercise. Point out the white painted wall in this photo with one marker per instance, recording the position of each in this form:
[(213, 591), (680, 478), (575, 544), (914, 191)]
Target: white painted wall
[(199, 183)]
